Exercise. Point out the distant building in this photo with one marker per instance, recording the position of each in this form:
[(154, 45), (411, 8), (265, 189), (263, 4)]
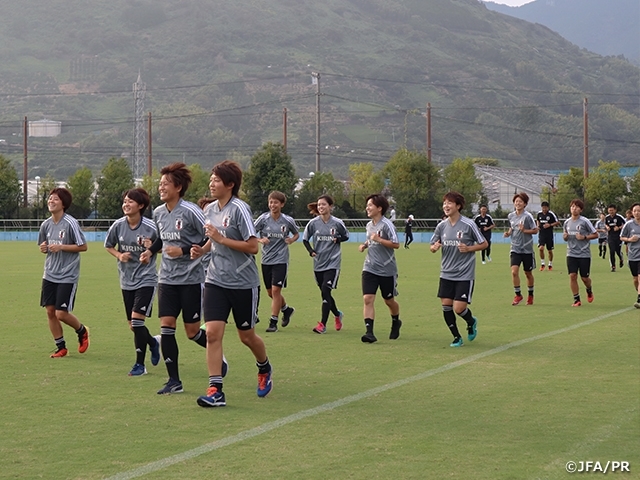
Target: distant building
[(45, 128)]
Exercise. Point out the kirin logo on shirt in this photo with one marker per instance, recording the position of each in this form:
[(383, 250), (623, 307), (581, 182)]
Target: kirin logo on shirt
[(61, 234), (178, 224), (226, 221)]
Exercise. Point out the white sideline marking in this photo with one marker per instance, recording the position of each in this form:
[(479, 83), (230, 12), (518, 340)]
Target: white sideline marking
[(267, 427)]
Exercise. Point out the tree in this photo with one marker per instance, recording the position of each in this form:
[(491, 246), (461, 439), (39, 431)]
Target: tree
[(415, 184), (270, 168), (460, 177), (605, 186), (10, 194), (81, 187), (363, 181), (151, 183), (570, 186), (319, 184), (199, 183), (116, 179)]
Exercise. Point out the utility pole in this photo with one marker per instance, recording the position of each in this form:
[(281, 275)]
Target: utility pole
[(585, 110), (150, 157), (316, 80), (429, 132), (284, 128), (139, 137), (25, 170)]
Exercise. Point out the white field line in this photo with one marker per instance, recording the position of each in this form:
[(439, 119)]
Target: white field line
[(267, 427)]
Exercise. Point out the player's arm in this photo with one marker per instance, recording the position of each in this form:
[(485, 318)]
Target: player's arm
[(293, 239)]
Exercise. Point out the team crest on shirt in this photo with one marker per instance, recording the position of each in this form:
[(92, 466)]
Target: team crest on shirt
[(459, 234), (178, 224), (139, 239), (61, 234), (226, 221), (332, 231), (283, 228)]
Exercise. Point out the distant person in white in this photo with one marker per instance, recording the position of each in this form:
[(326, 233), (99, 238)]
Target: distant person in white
[(392, 214)]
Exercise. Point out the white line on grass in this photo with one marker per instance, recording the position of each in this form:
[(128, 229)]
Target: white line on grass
[(267, 427)]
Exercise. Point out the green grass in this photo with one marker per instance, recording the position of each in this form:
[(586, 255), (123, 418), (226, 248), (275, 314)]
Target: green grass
[(519, 413)]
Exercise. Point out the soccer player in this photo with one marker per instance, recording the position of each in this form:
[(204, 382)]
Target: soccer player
[(631, 234), (180, 225), (138, 279), (614, 222), (485, 224), (578, 231), (408, 231), (326, 232), (601, 228), (61, 239), (459, 238), (380, 269), (232, 280), (522, 227), (546, 220), (277, 231)]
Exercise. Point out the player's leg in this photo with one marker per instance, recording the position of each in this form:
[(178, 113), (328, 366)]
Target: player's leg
[(585, 274), (369, 289), (572, 269), (191, 301), (65, 299), (169, 308), (541, 250), (389, 291), (515, 278)]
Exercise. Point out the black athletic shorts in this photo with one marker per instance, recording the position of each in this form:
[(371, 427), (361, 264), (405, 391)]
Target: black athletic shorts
[(173, 299), (328, 277), (275, 275), (634, 266), (546, 241), (460, 290), (138, 301), (62, 295), (387, 285), (527, 260), (579, 265), (219, 302)]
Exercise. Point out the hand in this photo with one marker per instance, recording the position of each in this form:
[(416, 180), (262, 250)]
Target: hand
[(213, 233), (521, 226), (463, 247), (55, 248), (288, 240), (435, 246), (146, 242), (634, 238), (565, 236), (546, 225), (124, 257), (44, 248), (196, 251), (507, 234), (376, 238), (362, 247), (265, 240), (145, 256), (173, 252), (579, 236)]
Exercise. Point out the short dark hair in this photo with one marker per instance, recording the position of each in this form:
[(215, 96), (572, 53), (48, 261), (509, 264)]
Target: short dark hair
[(281, 197), (635, 205), (578, 203), (544, 204), (64, 195), (456, 197), (522, 196), (140, 196), (379, 201), (484, 205), (179, 174), (229, 172), (327, 198), (613, 205)]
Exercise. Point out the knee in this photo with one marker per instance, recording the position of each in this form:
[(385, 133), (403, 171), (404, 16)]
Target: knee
[(369, 300)]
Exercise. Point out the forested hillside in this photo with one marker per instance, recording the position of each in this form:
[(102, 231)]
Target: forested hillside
[(219, 74)]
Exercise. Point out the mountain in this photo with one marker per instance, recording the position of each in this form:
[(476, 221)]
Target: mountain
[(607, 27), (218, 75)]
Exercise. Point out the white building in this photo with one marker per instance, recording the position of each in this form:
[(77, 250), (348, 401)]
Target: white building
[(45, 128)]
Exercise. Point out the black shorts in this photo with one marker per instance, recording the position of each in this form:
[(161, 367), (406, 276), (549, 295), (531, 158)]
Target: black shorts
[(173, 299), (527, 260), (327, 277), (219, 302), (602, 241), (459, 290), (275, 275), (62, 295), (634, 265), (579, 265), (138, 301), (371, 282), (545, 241)]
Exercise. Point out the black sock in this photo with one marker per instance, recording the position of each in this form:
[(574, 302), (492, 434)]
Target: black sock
[(264, 367), (589, 291), (274, 319), (467, 316), (140, 333), (200, 338), (576, 297), (395, 318), (81, 330), (60, 343), (170, 351), (216, 381), (368, 323), (450, 320), (530, 289), (518, 291)]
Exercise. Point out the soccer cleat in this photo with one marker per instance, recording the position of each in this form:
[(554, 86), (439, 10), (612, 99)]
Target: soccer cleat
[(541, 268), (577, 303), (621, 263), (286, 316), (83, 341), (395, 329), (138, 370), (613, 268), (483, 262), (472, 330), (517, 299), (264, 384), (172, 386), (550, 267), (637, 305), (59, 353), (530, 300), (225, 366), (213, 398), (488, 258), (457, 342), (590, 297), (273, 327), (339, 320), (368, 338), (320, 328), (155, 351)]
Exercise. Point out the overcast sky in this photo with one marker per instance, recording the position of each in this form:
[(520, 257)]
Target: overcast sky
[(513, 3)]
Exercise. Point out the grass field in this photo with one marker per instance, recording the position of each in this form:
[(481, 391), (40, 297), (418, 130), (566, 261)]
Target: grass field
[(539, 387)]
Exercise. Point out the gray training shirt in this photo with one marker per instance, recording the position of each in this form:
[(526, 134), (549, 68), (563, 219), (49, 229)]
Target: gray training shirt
[(578, 248), (521, 242), (133, 274), (322, 236), (181, 227), (630, 229), (381, 260), (456, 265), (229, 268), (62, 267), (276, 251)]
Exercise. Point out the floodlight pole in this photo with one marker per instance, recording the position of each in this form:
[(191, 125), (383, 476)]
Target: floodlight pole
[(316, 76)]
